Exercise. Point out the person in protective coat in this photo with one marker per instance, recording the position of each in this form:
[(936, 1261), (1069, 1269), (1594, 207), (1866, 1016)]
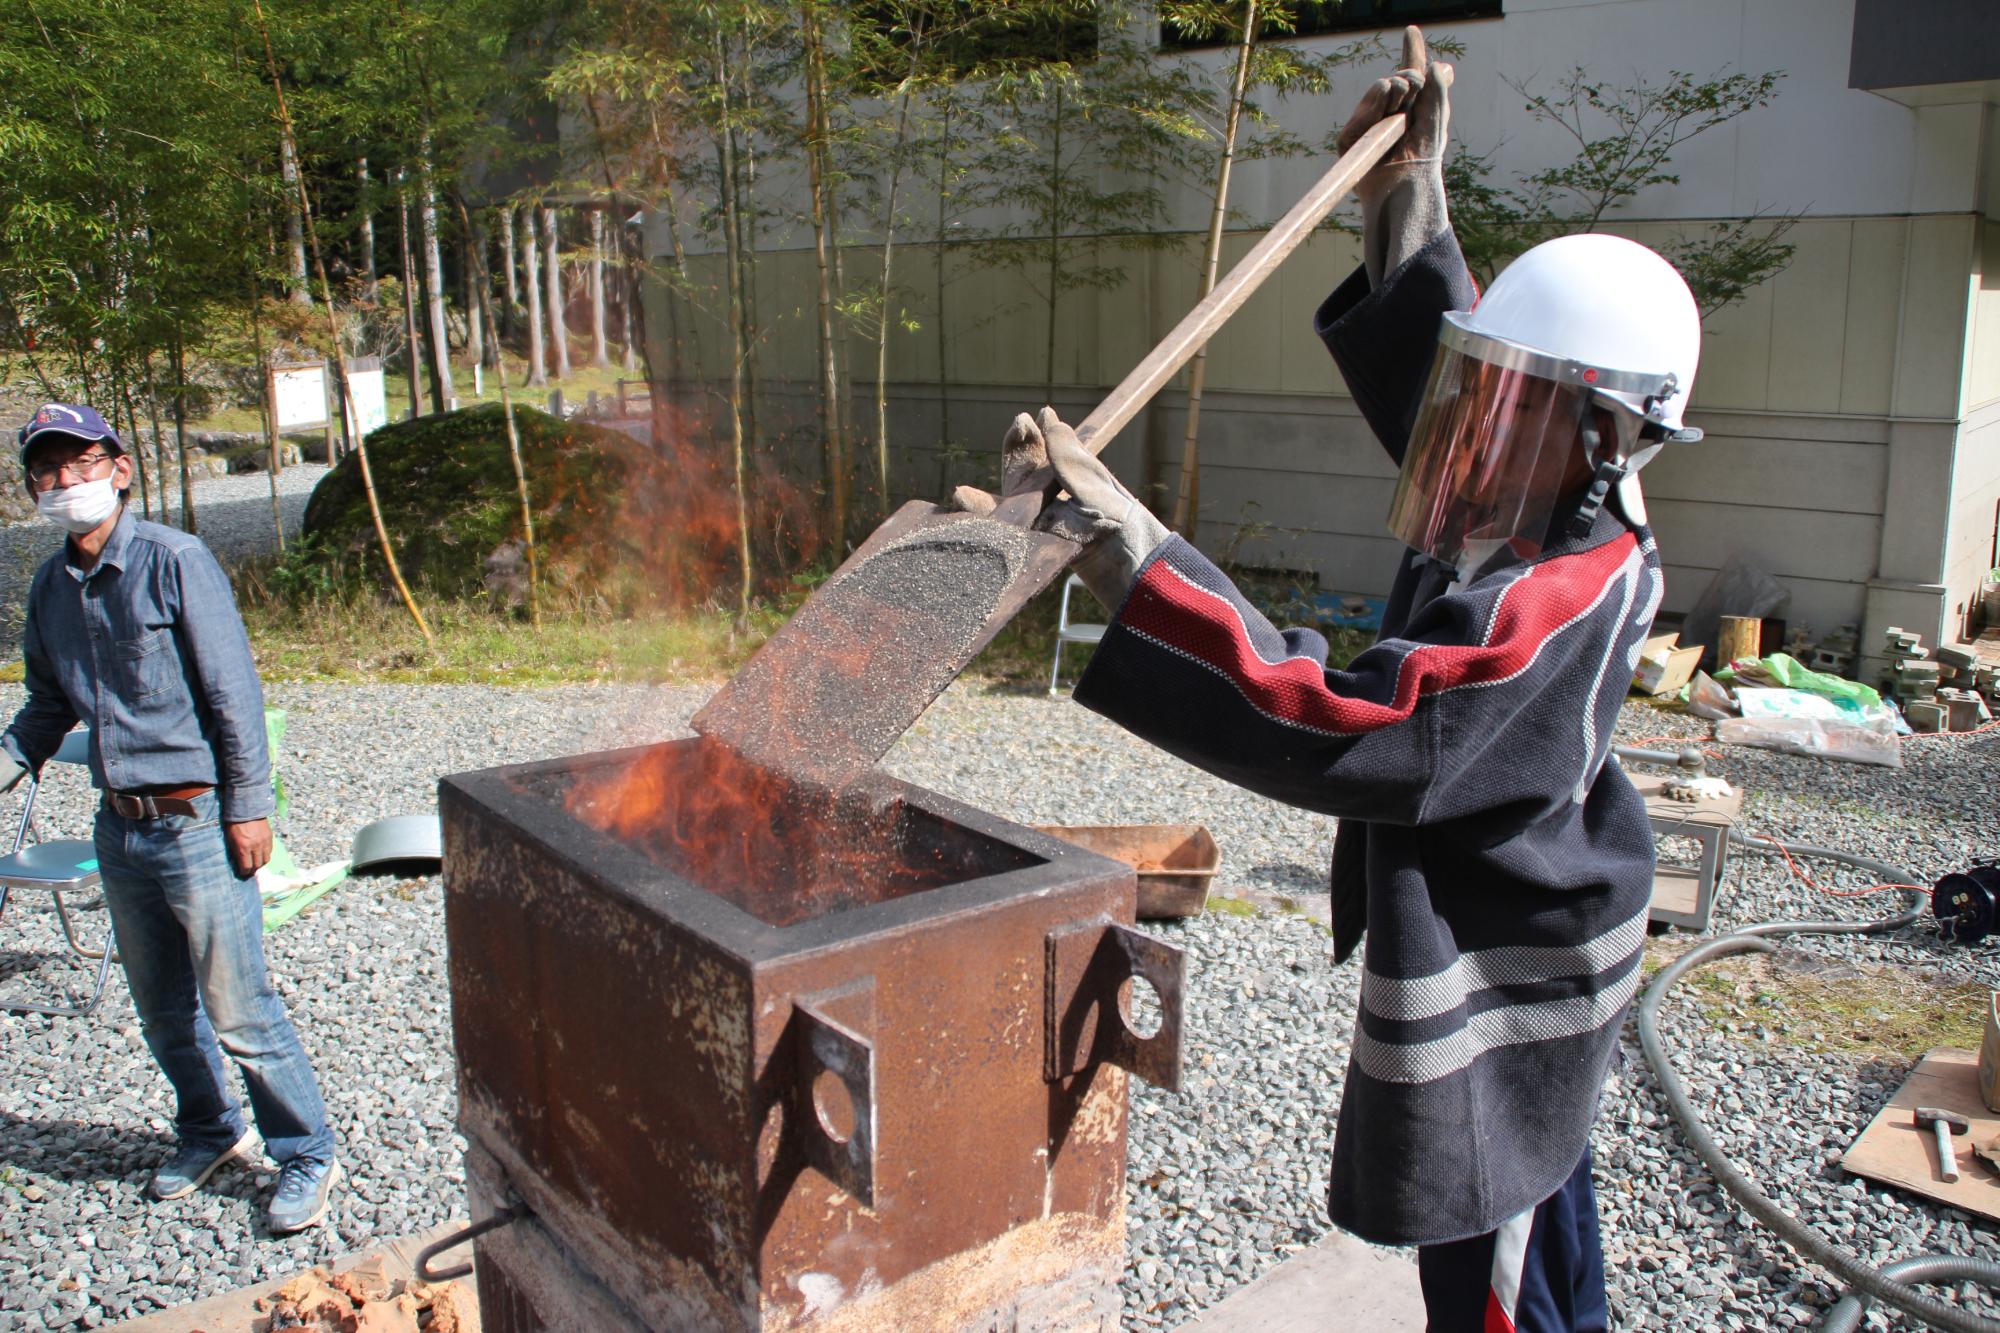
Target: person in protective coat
[(1500, 865)]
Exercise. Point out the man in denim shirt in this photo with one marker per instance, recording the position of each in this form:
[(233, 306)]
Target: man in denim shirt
[(132, 629)]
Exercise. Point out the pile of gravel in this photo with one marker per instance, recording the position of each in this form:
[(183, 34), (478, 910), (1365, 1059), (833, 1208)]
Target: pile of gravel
[(1226, 1180)]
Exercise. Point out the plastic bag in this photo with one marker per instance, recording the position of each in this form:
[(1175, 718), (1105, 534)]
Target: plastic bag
[(1737, 589), (1795, 722), (1707, 699), (1786, 672)]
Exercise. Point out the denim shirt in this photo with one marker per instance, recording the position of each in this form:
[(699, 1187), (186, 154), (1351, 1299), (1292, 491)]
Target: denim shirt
[(146, 649)]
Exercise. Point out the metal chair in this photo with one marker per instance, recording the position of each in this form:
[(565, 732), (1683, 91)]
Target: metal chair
[(59, 866), (1068, 631)]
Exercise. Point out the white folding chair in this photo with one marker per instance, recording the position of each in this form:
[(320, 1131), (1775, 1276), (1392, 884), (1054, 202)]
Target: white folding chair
[(1068, 631), (57, 866)]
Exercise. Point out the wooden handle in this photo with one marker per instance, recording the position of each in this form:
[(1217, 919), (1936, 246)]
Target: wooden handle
[(1200, 324)]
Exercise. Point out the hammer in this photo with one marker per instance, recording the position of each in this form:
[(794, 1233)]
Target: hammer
[(1943, 1124)]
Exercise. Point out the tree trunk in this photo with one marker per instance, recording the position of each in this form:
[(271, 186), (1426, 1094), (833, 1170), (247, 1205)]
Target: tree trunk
[(531, 281), (366, 234), (883, 322), (413, 355), (628, 308), (746, 260), (508, 262), (268, 417), (484, 313), (159, 441), (1187, 501), (726, 145), (1055, 250), (295, 237), (433, 266), (473, 298), (600, 341), (482, 250), (558, 314), (188, 522), (829, 404), (943, 342), (135, 445)]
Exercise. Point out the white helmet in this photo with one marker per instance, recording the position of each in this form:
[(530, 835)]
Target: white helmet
[(1604, 303), (1579, 332)]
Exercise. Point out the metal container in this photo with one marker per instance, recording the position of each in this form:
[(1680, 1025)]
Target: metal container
[(757, 1055), (1175, 863)]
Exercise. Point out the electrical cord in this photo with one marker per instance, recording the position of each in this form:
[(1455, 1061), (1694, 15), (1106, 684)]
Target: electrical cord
[(1864, 1280)]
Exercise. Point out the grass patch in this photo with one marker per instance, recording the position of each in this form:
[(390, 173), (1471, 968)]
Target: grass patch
[(365, 637), (368, 639), (1232, 906), (1867, 1011)]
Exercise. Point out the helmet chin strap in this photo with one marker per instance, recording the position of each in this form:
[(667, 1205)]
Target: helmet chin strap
[(1605, 477)]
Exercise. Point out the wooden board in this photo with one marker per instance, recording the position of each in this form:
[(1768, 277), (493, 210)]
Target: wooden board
[(393, 1261), (1894, 1151), (1339, 1283)]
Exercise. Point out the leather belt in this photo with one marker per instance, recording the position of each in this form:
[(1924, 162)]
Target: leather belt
[(153, 804)]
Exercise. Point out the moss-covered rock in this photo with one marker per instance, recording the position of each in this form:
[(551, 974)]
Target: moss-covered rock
[(447, 490)]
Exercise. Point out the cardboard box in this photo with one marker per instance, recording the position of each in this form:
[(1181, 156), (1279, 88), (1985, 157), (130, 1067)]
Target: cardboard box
[(1664, 666)]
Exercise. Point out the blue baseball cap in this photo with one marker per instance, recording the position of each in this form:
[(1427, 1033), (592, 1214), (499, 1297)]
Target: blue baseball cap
[(67, 419)]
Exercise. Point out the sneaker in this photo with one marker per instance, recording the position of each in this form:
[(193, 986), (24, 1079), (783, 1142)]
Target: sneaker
[(304, 1187), (191, 1166)]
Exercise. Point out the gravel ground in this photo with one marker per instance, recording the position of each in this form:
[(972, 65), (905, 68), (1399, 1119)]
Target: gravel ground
[(233, 515), (1227, 1179)]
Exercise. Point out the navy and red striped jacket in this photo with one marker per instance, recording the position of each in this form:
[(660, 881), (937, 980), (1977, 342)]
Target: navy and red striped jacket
[(1501, 866)]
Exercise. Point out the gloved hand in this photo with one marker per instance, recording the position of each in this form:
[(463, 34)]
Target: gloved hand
[(1402, 198), (1116, 532)]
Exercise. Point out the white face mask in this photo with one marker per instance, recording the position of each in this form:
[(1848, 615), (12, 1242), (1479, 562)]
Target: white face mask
[(79, 508)]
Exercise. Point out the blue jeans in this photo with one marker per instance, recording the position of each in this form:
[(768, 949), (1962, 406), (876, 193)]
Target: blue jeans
[(192, 938)]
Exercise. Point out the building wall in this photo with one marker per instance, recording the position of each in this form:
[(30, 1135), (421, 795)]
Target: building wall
[(1832, 395)]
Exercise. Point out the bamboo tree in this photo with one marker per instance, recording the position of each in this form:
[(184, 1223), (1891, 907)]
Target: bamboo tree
[(600, 341), (159, 444), (411, 356), (531, 275), (834, 446), (473, 297), (558, 312), (725, 145), (744, 183), (365, 230), (297, 283), (333, 332), (507, 267), (438, 362), (177, 351), (1187, 501), (264, 415), (485, 313)]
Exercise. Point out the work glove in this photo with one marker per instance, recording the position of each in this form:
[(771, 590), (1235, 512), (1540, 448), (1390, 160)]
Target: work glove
[(1402, 197), (1116, 532)]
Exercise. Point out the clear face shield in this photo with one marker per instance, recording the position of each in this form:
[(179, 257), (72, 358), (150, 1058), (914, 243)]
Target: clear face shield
[(1495, 448)]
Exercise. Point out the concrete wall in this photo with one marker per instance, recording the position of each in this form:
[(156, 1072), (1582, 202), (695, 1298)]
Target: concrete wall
[(1832, 395)]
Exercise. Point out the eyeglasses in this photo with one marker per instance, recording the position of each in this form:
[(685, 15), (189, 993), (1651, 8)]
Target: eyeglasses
[(79, 468)]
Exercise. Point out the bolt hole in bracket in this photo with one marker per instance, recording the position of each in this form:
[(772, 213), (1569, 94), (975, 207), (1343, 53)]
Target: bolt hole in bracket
[(1088, 965), (828, 1047)]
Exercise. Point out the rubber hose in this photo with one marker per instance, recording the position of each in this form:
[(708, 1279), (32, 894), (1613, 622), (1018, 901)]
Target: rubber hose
[(1846, 1316), (1858, 1276)]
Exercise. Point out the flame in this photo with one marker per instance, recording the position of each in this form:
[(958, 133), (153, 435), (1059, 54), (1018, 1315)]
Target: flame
[(779, 848)]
